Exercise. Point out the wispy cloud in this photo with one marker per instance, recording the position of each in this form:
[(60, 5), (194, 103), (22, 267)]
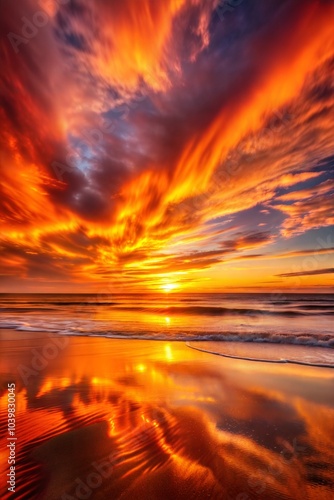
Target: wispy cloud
[(329, 270)]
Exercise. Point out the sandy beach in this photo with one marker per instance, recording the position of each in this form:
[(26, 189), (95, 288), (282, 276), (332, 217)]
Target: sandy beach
[(100, 418)]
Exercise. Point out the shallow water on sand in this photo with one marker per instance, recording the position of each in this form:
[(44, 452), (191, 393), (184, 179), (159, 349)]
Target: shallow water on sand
[(268, 352), (101, 418)]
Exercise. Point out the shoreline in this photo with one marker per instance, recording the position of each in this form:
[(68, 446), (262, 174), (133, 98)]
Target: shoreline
[(210, 345), (318, 351)]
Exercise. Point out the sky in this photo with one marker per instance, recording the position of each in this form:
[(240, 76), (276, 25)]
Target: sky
[(173, 145)]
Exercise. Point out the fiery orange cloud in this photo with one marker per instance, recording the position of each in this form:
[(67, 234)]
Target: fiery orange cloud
[(160, 121), (124, 53), (155, 190)]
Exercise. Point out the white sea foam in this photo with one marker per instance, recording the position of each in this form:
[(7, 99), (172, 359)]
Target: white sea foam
[(241, 333)]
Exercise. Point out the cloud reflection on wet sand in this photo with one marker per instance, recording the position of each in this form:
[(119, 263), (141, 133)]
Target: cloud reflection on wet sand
[(157, 420)]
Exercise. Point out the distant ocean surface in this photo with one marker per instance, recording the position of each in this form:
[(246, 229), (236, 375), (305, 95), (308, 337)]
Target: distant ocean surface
[(302, 319)]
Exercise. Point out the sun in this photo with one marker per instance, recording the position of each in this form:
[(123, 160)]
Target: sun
[(168, 287)]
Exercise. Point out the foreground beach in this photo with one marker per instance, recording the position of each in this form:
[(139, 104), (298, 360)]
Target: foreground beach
[(101, 418)]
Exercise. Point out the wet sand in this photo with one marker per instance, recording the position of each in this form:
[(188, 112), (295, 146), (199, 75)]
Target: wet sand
[(128, 419)]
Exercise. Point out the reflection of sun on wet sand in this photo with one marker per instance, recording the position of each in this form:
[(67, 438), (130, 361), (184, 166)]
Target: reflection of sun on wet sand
[(157, 420)]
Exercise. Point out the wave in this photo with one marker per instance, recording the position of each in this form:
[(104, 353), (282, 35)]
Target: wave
[(86, 303), (316, 308), (202, 306), (220, 311), (101, 329), (26, 309), (177, 310)]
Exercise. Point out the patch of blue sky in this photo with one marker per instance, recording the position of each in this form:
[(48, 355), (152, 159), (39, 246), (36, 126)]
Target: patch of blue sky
[(82, 153)]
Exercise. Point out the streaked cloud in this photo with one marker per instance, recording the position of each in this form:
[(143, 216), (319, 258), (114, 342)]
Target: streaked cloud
[(141, 139), (329, 270)]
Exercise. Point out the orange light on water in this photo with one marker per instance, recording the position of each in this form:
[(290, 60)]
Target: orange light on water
[(112, 430), (168, 352)]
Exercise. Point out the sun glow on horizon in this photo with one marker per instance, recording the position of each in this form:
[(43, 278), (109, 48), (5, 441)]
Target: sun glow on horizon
[(168, 287)]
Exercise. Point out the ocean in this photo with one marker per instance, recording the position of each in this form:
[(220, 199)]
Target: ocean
[(300, 319)]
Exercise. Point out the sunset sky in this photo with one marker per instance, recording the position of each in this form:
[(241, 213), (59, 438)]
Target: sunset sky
[(172, 145)]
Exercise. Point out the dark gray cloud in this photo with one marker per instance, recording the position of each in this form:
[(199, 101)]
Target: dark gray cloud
[(329, 270)]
